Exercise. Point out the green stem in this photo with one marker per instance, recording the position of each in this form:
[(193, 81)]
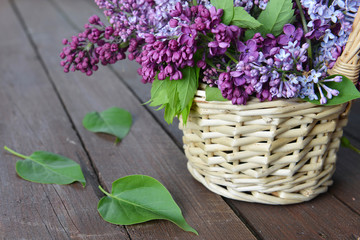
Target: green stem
[(212, 65), (354, 149), (15, 153), (117, 140), (306, 30), (195, 2), (231, 57), (105, 192)]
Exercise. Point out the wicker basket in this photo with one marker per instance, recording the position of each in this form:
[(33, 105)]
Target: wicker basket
[(278, 152)]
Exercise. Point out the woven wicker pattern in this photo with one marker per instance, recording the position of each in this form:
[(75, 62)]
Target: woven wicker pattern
[(278, 152)]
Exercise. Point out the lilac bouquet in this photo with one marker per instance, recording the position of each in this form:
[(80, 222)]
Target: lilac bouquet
[(268, 49)]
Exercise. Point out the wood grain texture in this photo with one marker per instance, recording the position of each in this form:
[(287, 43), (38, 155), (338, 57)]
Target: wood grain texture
[(325, 217), (353, 127), (347, 177), (32, 118), (146, 150)]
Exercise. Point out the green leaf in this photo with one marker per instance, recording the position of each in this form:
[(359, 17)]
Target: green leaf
[(187, 86), (176, 95), (158, 92), (346, 88), (274, 17), (227, 6), (115, 121), (185, 113), (47, 167), (138, 198), (213, 94), (243, 19), (169, 113)]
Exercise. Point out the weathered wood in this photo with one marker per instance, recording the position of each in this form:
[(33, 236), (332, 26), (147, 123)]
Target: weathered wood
[(353, 127), (347, 177), (146, 150), (32, 118), (324, 217)]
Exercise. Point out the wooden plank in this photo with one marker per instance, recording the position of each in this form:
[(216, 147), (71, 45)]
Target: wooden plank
[(32, 118), (322, 218), (347, 177), (146, 150), (353, 127)]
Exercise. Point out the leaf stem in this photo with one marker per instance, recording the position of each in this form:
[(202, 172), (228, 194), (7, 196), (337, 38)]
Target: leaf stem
[(117, 140), (306, 30), (354, 149), (105, 192), (15, 153), (231, 57)]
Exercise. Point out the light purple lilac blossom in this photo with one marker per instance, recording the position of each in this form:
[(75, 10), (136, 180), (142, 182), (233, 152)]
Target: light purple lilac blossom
[(140, 17), (268, 67), (332, 25)]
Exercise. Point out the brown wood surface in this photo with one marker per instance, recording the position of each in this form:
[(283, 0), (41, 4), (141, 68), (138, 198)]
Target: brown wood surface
[(41, 108), (32, 118)]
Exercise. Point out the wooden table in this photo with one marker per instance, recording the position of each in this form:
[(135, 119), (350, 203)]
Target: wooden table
[(42, 109)]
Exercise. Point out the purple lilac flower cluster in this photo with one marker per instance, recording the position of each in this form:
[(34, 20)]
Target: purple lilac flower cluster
[(132, 17), (267, 67), (330, 26), (165, 36), (165, 58), (246, 4), (96, 44)]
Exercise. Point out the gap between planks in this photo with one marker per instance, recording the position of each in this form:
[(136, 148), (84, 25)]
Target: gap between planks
[(94, 182)]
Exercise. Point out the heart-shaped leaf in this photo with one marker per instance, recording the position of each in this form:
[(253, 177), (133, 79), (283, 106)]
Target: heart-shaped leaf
[(47, 167), (138, 198), (115, 121)]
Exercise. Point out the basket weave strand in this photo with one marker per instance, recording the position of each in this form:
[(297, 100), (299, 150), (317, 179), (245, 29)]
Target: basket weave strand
[(277, 152), (348, 63)]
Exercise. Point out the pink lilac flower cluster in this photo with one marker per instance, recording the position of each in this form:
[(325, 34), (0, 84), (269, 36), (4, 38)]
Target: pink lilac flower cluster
[(166, 36)]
